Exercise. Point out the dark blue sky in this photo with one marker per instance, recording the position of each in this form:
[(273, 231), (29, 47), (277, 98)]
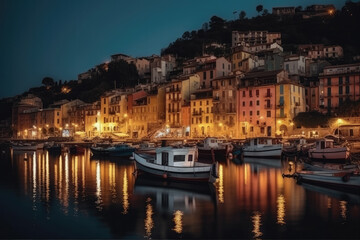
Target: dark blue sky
[(62, 38)]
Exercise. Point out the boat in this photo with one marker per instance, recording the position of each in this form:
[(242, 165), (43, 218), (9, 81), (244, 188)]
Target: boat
[(323, 166), (212, 149), (53, 148), (176, 163), (26, 146), (262, 147), (296, 147), (76, 149), (116, 150), (325, 150), (342, 180)]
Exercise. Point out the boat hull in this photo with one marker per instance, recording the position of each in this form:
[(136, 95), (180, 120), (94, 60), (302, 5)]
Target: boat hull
[(329, 154), (337, 180), (206, 155), (265, 152), (201, 173)]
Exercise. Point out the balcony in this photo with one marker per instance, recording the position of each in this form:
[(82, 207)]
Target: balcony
[(268, 95), (268, 106), (172, 89), (297, 104), (280, 105), (230, 111)]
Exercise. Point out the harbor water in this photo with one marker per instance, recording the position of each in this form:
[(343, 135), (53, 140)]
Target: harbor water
[(77, 196)]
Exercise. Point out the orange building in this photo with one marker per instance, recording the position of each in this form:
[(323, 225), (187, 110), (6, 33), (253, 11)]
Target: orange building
[(338, 83)]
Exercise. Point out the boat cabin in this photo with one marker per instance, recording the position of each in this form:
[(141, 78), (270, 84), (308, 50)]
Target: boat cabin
[(324, 143), (263, 141), (172, 156), (212, 142)]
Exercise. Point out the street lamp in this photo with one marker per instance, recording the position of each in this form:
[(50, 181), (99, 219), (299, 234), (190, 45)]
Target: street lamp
[(339, 121)]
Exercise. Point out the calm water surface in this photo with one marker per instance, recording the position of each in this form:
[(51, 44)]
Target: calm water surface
[(75, 196)]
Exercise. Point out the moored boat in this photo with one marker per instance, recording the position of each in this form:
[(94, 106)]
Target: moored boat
[(117, 150), (26, 146), (263, 147), (176, 164), (325, 150), (342, 180), (212, 149)]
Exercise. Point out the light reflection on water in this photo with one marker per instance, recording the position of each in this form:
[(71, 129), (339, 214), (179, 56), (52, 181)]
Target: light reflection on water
[(105, 191)]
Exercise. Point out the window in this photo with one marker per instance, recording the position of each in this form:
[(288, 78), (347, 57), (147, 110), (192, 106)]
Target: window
[(190, 158), (244, 95), (104, 110), (347, 80), (251, 129), (243, 104), (243, 113), (250, 104), (340, 80), (104, 100), (281, 100), (204, 75), (257, 92), (223, 93), (257, 103), (179, 158), (258, 112), (347, 89), (211, 74), (250, 93), (340, 90), (329, 91), (194, 104), (207, 119), (281, 89), (268, 113), (250, 113), (200, 103), (329, 81)]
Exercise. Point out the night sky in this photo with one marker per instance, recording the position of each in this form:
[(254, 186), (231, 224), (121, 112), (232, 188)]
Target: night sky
[(62, 38)]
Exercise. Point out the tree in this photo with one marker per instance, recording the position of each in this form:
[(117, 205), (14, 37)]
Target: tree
[(311, 119), (265, 12), (259, 8), (298, 9), (186, 35), (216, 22), (48, 81), (242, 15)]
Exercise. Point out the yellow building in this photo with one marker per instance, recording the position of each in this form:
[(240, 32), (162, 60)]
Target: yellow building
[(239, 59), (178, 94), (290, 100), (201, 110), (92, 119)]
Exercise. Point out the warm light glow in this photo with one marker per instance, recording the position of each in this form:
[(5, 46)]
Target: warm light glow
[(221, 184), (47, 125), (178, 221), (256, 221), (331, 11), (125, 115), (66, 125), (98, 186), (291, 124), (125, 194), (280, 209), (149, 223), (220, 124), (34, 126), (339, 121), (343, 209), (279, 121)]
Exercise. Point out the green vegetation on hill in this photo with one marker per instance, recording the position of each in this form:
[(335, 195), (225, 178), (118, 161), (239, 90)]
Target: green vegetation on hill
[(340, 28)]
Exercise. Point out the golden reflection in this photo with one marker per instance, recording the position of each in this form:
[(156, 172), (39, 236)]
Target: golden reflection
[(125, 194), (74, 169), (256, 220), (26, 177), (149, 223), (178, 221), (246, 169), (47, 179), (221, 184), (34, 184), (66, 192), (280, 209), (112, 180), (83, 175), (343, 209), (98, 186)]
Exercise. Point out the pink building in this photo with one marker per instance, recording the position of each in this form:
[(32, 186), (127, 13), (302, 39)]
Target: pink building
[(338, 83)]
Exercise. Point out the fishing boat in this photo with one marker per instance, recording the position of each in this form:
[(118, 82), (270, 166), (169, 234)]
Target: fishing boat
[(117, 150), (342, 180), (212, 149), (296, 147), (176, 163), (26, 146), (262, 147), (325, 150)]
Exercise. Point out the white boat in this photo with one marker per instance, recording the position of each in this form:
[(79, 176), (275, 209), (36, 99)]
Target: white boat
[(176, 164), (325, 150), (342, 180), (263, 148)]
